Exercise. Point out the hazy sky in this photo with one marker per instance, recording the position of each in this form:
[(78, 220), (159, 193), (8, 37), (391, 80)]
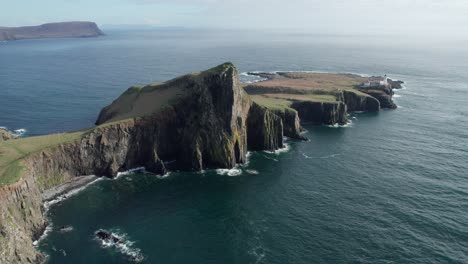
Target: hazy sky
[(428, 17)]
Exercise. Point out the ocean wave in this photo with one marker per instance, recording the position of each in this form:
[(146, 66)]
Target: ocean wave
[(16, 132), (247, 160), (163, 176), (124, 245), (349, 124), (46, 232), (284, 149), (321, 157), (67, 195), (253, 172), (229, 172), (131, 171)]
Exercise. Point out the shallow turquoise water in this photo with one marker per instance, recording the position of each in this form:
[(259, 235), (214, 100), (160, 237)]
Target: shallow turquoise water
[(390, 188)]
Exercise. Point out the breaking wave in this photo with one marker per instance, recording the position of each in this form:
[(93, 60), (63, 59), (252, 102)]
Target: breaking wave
[(229, 172), (124, 245)]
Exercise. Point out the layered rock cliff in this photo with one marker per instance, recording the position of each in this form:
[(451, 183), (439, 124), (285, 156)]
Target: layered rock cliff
[(210, 122), (197, 121), (319, 113), (51, 30)]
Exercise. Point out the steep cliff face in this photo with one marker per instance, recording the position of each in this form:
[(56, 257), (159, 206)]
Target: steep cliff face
[(318, 113), (21, 222), (359, 102), (384, 96), (291, 122), (264, 128), (210, 123)]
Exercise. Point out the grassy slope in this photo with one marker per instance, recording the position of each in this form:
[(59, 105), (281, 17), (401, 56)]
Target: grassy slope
[(13, 152), (135, 102)]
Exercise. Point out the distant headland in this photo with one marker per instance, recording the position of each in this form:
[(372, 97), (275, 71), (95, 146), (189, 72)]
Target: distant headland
[(77, 29)]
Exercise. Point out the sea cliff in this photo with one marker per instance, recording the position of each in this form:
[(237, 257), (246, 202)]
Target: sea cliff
[(198, 121), (209, 122)]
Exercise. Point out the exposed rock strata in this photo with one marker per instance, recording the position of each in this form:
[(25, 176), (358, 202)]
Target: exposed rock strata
[(211, 126), (384, 95), (264, 128), (318, 113), (355, 102)]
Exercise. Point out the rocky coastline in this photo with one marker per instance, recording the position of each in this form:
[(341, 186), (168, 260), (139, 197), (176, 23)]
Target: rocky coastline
[(206, 120)]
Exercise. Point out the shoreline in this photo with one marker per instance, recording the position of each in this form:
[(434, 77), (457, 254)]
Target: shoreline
[(65, 189)]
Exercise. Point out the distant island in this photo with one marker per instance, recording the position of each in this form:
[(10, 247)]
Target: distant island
[(78, 29), (202, 120)]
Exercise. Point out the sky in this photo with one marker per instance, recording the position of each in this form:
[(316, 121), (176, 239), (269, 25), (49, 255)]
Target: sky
[(426, 17)]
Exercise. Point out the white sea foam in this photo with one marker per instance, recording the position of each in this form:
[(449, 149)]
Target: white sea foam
[(270, 158), (254, 172), (229, 172), (247, 159), (349, 124), (131, 171), (19, 132), (124, 246), (322, 157), (67, 195), (163, 176), (46, 232), (396, 96), (284, 149)]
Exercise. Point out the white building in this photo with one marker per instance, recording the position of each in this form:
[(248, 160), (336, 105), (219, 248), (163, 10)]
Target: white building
[(376, 81)]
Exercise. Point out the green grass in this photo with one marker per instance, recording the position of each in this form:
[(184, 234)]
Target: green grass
[(13, 153), (282, 101), (271, 103)]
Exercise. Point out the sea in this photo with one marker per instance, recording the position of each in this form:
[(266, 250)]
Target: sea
[(389, 187)]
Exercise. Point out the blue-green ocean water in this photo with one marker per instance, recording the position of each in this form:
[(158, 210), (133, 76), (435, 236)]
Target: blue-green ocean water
[(390, 188)]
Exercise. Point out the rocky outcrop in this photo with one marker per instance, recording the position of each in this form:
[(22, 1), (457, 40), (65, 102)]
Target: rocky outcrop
[(6, 135), (21, 221), (211, 126), (384, 95), (264, 129), (395, 84), (318, 113), (291, 122), (358, 102), (51, 30)]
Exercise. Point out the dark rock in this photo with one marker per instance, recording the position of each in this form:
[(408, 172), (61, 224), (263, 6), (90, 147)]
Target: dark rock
[(356, 102), (395, 84), (383, 96), (319, 113), (108, 237), (264, 129), (291, 122)]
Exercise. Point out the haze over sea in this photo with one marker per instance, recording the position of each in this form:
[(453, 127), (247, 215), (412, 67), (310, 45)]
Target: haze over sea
[(391, 187)]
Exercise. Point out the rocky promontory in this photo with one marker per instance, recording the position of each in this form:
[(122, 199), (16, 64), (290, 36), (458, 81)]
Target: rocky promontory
[(321, 98), (198, 121), (194, 122), (77, 29)]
